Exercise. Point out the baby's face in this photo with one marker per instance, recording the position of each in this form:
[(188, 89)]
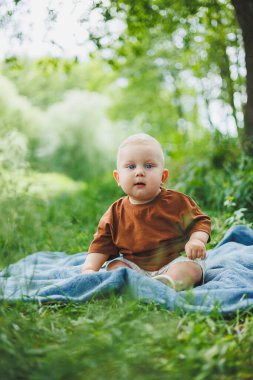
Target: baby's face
[(140, 171)]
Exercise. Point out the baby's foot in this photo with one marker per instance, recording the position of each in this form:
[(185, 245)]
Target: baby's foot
[(168, 281)]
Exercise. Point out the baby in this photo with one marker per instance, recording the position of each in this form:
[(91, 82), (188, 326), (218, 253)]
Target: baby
[(149, 229)]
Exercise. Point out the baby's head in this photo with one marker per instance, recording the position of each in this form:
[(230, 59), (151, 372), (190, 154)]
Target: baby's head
[(140, 167), (141, 139)]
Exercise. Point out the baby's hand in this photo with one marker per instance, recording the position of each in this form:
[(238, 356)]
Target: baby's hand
[(195, 249)]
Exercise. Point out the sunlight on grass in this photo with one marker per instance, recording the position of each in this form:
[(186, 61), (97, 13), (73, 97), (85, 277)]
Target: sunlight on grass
[(52, 184), (44, 185)]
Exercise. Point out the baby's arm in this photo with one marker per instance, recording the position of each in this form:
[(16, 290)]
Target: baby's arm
[(195, 248), (94, 262)]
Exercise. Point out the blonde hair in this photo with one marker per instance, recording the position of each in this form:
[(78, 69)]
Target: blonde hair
[(140, 138)]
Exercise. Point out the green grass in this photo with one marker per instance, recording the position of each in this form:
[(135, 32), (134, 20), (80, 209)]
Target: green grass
[(114, 338), (122, 339), (62, 220)]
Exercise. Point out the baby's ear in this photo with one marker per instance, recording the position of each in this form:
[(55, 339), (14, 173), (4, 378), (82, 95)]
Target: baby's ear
[(165, 175), (116, 176)]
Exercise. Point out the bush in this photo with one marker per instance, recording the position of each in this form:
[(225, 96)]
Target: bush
[(211, 186), (77, 137)]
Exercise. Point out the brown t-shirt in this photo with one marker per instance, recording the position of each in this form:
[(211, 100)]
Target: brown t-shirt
[(151, 234)]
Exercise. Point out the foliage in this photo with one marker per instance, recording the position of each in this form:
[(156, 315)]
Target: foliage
[(213, 169), (77, 134), (19, 122), (44, 81), (67, 137), (175, 56)]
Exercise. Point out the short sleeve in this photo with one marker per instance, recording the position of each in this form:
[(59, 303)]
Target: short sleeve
[(103, 238), (195, 220)]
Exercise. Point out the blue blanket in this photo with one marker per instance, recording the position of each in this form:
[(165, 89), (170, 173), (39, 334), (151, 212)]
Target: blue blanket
[(56, 276)]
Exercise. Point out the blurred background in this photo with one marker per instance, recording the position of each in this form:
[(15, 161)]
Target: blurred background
[(79, 76)]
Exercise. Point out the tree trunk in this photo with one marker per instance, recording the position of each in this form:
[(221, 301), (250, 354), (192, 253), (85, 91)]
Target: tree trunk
[(244, 13)]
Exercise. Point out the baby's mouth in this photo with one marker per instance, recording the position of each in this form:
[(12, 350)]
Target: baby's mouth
[(139, 184)]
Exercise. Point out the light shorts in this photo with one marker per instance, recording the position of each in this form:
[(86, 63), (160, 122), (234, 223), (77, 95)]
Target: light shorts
[(180, 259)]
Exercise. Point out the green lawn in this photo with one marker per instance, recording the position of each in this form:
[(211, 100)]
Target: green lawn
[(115, 338), (122, 339)]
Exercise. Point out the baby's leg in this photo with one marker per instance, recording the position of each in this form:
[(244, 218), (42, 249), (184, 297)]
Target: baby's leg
[(185, 274), (115, 264)]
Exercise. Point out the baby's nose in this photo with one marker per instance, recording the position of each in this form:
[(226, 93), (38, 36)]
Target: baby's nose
[(139, 171)]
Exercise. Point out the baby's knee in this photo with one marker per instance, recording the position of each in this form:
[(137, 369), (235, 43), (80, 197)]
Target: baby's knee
[(189, 270), (116, 264)]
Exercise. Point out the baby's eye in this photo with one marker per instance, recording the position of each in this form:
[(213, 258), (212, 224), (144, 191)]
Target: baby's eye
[(148, 166), (131, 166)]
